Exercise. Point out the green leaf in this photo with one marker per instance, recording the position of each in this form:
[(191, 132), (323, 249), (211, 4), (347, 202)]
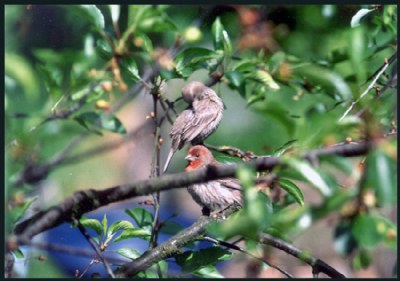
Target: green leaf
[(331, 81), (141, 216), (146, 43), (92, 224), (293, 190), (105, 225), (208, 272), (192, 261), (311, 175), (338, 162), (355, 20), (171, 227), (192, 59), (92, 13), (133, 233), (235, 78), (227, 44), (52, 81), (217, 30), (358, 44), (362, 259), (119, 225), (266, 78), (19, 211), (115, 12), (18, 253), (368, 230), (285, 147), (221, 38), (380, 176), (129, 65), (344, 242), (104, 49), (128, 253), (97, 120)]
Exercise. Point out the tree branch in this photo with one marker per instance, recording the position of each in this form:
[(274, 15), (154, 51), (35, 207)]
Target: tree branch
[(317, 265), (85, 201)]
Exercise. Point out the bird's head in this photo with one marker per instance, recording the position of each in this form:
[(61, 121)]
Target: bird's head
[(191, 90), (198, 157)]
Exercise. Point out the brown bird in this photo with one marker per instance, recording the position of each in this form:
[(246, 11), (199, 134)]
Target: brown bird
[(199, 120), (213, 195)]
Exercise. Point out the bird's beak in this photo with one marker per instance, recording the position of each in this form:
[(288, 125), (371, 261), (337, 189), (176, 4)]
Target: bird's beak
[(189, 158)]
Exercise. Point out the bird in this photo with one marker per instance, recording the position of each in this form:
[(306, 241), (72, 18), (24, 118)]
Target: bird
[(214, 195), (198, 121)]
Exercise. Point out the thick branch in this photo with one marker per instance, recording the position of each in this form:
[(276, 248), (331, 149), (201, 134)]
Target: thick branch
[(82, 202), (171, 246), (197, 230)]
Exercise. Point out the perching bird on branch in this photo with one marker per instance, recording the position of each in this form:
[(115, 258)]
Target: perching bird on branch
[(213, 195), (199, 120)]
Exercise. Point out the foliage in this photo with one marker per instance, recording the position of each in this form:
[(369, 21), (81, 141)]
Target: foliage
[(296, 69)]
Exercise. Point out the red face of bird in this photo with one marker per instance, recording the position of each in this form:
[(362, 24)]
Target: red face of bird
[(198, 157), (190, 90)]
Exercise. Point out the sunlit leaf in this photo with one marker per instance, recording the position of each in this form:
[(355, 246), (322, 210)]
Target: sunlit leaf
[(128, 253), (129, 65), (208, 271), (133, 233), (267, 79), (120, 225), (355, 20), (92, 224), (105, 224), (93, 14), (115, 11), (310, 174)]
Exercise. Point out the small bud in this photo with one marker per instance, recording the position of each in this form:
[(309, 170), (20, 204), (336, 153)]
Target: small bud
[(369, 198), (192, 34), (348, 140), (391, 234), (123, 87), (107, 86), (160, 141), (102, 104), (93, 72), (152, 115)]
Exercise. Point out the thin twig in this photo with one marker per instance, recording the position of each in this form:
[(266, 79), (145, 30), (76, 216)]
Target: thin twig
[(96, 248), (371, 85), (317, 265), (240, 249)]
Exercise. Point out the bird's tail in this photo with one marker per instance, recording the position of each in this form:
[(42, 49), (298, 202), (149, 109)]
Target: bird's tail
[(170, 154)]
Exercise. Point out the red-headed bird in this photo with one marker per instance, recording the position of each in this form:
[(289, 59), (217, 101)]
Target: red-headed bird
[(213, 195)]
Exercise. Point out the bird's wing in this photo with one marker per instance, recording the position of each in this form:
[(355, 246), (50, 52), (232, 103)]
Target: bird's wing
[(231, 183), (177, 130), (204, 114)]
